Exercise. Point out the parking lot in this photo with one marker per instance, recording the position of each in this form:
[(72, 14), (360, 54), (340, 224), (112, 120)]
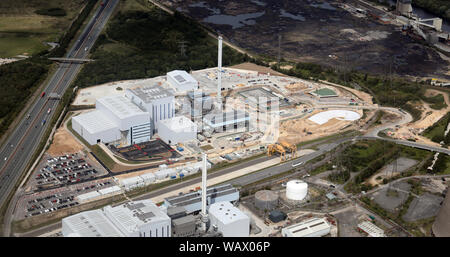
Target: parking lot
[(57, 199), (65, 170)]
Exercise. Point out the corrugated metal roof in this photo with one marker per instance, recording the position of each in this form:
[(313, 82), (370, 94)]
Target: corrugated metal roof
[(150, 93), (95, 122), (91, 224), (121, 106)]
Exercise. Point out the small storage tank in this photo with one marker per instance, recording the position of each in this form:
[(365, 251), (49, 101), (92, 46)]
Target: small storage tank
[(266, 200), (296, 190)]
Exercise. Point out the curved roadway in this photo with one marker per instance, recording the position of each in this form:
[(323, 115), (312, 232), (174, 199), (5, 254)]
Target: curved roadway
[(23, 142)]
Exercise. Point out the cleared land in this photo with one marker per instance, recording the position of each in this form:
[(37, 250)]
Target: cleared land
[(316, 31)]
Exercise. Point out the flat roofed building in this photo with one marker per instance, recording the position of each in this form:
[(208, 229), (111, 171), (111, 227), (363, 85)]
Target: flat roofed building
[(177, 130), (192, 201), (115, 120), (371, 229), (139, 219), (181, 81), (315, 227), (229, 220), (96, 127), (89, 224), (124, 112), (227, 121), (157, 101)]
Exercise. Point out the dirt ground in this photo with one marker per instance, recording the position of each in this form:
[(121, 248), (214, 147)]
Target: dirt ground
[(64, 143), (429, 117), (258, 68), (317, 31), (295, 131)]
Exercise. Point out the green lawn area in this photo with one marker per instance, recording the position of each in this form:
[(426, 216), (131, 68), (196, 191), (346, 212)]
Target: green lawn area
[(11, 46), (23, 32)]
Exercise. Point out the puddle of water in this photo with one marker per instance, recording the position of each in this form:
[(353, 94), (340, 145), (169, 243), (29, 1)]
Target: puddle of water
[(325, 6), (298, 17), (204, 5), (235, 21)]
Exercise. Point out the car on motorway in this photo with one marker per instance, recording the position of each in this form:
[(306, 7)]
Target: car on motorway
[(295, 164), (43, 122), (85, 49), (49, 110), (43, 94)]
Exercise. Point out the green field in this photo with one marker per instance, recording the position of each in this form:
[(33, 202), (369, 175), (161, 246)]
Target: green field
[(24, 32)]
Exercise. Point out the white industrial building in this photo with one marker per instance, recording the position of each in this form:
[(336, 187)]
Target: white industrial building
[(89, 224), (177, 130), (315, 227), (132, 219), (115, 120), (371, 229), (157, 101), (132, 183), (226, 121), (181, 81), (229, 220), (139, 219)]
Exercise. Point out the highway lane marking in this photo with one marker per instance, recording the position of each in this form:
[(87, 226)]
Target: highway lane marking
[(44, 106)]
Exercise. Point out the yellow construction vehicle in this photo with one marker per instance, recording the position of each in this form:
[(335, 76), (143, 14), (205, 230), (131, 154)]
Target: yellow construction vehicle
[(272, 148), (289, 147)]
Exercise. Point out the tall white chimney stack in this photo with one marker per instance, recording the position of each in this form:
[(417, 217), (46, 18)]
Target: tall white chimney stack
[(219, 73), (204, 192)]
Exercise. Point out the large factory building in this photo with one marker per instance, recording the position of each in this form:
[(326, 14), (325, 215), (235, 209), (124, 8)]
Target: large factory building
[(192, 202), (157, 101), (182, 81), (115, 120), (132, 219), (177, 130), (229, 220), (126, 120)]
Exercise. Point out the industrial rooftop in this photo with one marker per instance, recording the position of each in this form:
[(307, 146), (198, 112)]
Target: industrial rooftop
[(120, 106), (150, 93)]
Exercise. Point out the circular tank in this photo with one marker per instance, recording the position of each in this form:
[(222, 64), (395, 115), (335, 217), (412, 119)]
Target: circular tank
[(296, 190), (266, 200)]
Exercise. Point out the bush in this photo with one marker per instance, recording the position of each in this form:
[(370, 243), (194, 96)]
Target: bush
[(52, 12)]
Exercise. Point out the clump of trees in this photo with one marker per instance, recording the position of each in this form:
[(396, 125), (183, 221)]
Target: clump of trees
[(148, 44)]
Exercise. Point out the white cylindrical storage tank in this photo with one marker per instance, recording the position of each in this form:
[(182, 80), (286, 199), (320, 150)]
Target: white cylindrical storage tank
[(296, 190)]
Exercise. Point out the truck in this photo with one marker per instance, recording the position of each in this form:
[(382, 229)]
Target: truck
[(43, 93), (179, 148), (173, 177)]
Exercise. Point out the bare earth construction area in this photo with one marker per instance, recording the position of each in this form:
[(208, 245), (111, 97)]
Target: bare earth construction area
[(322, 32)]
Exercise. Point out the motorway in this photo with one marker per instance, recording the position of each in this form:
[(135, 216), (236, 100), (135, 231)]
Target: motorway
[(21, 145)]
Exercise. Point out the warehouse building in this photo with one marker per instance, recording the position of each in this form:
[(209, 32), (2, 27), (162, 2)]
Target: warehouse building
[(229, 220), (315, 227), (192, 201), (227, 121), (139, 219), (371, 229), (182, 81), (116, 120), (132, 219), (177, 130), (157, 101), (89, 224)]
